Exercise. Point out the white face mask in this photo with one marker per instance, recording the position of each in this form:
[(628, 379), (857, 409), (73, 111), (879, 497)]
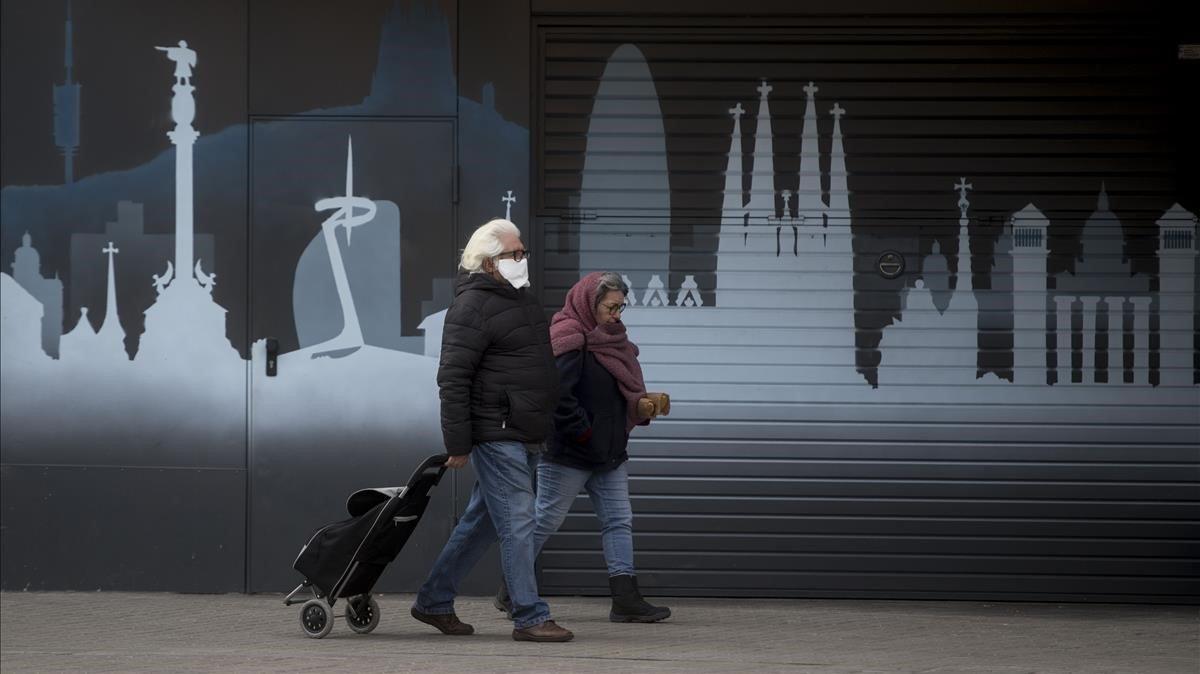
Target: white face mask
[(516, 273)]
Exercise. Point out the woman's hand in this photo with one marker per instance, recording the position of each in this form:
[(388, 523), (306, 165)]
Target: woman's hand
[(646, 408), (662, 403), (457, 461), (654, 405)]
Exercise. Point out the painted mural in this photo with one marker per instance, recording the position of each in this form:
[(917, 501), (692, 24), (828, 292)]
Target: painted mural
[(140, 292), (343, 297), (784, 321), (337, 225), (98, 372)]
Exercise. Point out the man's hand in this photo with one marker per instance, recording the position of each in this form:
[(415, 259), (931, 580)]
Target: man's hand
[(457, 461)]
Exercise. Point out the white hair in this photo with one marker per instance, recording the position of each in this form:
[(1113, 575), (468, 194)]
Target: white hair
[(485, 243)]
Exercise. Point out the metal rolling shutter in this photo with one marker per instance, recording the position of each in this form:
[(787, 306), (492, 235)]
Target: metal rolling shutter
[(778, 475)]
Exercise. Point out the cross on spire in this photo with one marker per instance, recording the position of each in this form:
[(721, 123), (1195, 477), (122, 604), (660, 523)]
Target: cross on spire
[(508, 202), (811, 89), (962, 188), (737, 111), (765, 88), (787, 199), (837, 111), (110, 250)]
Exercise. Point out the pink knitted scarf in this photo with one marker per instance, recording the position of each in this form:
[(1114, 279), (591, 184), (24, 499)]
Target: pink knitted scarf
[(575, 325)]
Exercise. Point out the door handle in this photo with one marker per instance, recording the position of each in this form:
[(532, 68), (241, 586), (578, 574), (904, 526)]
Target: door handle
[(272, 356)]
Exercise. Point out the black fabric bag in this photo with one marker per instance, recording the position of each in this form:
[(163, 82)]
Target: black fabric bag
[(349, 556)]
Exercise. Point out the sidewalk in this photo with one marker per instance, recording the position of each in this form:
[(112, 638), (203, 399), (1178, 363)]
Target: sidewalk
[(143, 632)]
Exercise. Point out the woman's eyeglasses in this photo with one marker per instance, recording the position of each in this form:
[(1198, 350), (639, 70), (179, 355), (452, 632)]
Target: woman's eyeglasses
[(615, 308), (516, 255)]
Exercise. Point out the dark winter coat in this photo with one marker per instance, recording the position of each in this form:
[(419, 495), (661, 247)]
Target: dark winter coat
[(497, 378), (589, 423)]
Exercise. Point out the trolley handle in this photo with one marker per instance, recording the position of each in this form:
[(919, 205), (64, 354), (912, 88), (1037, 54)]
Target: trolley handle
[(427, 466)]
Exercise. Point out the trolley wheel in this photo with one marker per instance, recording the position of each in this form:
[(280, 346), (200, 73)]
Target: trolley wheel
[(316, 618), (368, 613)]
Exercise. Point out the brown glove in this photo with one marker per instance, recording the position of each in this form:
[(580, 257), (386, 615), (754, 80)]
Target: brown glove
[(645, 408), (654, 405), (662, 403)]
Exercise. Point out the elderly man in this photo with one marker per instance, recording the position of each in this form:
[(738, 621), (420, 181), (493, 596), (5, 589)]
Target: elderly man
[(499, 387)]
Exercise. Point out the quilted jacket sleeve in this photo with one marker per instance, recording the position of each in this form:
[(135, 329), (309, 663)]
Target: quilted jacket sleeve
[(464, 342)]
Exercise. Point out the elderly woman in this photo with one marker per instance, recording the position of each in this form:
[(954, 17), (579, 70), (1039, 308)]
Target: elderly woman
[(602, 396)]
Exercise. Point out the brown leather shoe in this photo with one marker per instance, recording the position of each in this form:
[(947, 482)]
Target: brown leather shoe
[(446, 623), (545, 632)]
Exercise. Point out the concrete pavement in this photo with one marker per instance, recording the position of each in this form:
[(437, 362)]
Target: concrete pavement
[(159, 632)]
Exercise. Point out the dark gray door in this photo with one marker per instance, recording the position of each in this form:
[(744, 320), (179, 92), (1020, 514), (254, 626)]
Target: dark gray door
[(352, 237)]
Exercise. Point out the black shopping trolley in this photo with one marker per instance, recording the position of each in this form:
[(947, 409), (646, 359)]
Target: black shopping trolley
[(345, 559)]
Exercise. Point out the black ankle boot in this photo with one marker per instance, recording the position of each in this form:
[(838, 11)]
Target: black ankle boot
[(502, 601), (628, 606)]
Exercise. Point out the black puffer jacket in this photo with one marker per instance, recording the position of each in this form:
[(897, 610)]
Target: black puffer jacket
[(497, 377)]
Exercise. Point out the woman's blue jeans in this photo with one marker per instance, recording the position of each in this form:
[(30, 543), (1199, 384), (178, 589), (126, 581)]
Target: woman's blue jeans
[(557, 487)]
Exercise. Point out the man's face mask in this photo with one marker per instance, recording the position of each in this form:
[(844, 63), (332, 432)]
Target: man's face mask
[(516, 273)]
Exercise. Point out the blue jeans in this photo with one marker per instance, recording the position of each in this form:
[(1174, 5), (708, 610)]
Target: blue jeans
[(501, 506), (557, 487)]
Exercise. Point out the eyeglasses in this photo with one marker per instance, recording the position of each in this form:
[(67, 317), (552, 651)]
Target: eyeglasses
[(516, 255), (615, 308)]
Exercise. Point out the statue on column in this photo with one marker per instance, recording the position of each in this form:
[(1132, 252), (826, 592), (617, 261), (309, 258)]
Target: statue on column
[(185, 60), (183, 105)]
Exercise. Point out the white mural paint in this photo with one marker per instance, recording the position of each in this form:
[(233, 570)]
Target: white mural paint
[(343, 386), (1176, 295), (373, 270), (1098, 284), (184, 366), (185, 325), (344, 216), (27, 271), (767, 257), (106, 345), (783, 327), (625, 196), (433, 326), (931, 341), (372, 392), (508, 200), (142, 257), (20, 318), (111, 333)]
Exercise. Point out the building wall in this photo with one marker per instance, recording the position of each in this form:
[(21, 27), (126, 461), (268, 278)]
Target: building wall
[(836, 431)]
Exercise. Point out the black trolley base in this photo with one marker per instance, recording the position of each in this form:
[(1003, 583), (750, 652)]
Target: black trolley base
[(316, 614), (343, 560)]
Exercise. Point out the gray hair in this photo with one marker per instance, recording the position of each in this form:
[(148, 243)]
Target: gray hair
[(609, 281), (485, 244)]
